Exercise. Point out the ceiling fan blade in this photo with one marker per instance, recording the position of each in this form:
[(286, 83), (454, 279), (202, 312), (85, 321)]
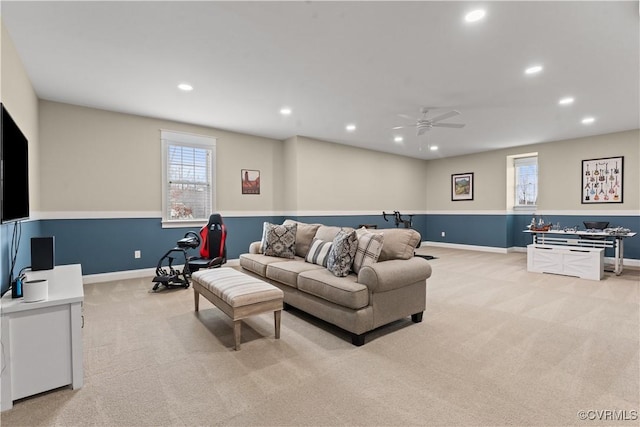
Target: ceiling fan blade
[(404, 116), (444, 116), (402, 127), (448, 125)]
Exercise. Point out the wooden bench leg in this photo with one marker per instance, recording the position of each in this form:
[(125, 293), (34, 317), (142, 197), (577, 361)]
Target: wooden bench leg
[(237, 326), (276, 318), (196, 299)]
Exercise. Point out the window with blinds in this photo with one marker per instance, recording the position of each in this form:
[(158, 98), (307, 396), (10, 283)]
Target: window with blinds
[(526, 181), (188, 187)]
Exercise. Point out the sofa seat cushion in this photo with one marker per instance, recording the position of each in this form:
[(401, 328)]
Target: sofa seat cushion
[(344, 291), (257, 263), (287, 272)]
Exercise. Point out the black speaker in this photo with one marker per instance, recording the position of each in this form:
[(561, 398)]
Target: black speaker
[(42, 253)]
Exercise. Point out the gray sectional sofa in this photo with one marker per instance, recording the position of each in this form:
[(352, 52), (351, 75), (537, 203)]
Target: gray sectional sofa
[(390, 289)]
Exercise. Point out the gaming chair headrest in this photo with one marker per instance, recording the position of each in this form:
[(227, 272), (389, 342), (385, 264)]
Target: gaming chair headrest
[(215, 219)]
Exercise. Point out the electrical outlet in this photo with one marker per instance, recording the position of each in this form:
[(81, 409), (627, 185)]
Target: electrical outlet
[(137, 254), (442, 234)]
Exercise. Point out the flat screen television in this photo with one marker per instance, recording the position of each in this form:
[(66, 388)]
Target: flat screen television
[(14, 170)]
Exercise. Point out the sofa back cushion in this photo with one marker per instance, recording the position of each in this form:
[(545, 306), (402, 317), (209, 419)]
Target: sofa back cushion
[(329, 232), (304, 235), (279, 240), (399, 243)]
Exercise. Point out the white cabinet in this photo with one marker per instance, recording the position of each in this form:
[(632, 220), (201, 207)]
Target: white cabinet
[(42, 341), (584, 262)]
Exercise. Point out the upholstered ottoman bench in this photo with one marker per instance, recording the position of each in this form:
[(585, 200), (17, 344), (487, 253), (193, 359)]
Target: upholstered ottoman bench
[(238, 296)]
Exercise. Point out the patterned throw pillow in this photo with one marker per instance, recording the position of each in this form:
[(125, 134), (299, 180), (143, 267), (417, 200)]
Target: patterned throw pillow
[(279, 240), (342, 252), (369, 248), (319, 252)]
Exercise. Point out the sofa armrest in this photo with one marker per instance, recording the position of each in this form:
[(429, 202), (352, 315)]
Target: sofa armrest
[(255, 248), (393, 274)]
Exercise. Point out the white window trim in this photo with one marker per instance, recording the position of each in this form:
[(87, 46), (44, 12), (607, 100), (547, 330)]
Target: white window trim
[(524, 160), (167, 138), (511, 188)]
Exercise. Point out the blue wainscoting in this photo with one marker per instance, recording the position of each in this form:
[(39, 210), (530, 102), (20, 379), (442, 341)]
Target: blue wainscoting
[(29, 229), (108, 245), (476, 230)]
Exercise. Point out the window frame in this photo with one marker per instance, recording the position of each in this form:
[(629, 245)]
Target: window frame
[(183, 139), (523, 159)]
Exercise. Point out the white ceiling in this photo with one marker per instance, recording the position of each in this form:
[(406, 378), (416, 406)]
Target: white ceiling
[(335, 63)]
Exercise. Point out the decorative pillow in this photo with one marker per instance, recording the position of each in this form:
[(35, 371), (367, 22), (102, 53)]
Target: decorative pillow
[(280, 240), (319, 252), (368, 251), (342, 252)]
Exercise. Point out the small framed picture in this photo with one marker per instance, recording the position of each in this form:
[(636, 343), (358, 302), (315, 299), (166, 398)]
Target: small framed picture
[(602, 180), (250, 181), (462, 186)]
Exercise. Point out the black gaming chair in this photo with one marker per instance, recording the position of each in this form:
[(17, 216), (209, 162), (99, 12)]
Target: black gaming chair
[(213, 248)]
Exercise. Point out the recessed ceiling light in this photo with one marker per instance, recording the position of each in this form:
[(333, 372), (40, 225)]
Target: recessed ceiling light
[(351, 127), (566, 101), (185, 87), (285, 111), (398, 139), (588, 120), (475, 15), (533, 69), (433, 148)]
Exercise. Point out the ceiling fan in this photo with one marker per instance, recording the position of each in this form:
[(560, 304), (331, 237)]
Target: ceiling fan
[(424, 124)]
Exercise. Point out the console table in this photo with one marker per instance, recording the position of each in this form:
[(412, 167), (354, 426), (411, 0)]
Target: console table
[(42, 341), (581, 239)]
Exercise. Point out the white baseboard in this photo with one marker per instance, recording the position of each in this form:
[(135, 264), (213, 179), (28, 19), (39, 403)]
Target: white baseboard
[(118, 275), (627, 262), (467, 247), (136, 274)]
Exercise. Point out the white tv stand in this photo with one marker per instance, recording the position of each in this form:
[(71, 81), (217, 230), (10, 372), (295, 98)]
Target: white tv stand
[(42, 341)]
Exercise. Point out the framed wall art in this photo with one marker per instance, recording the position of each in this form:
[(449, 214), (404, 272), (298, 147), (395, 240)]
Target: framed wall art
[(462, 186), (250, 181), (602, 180)]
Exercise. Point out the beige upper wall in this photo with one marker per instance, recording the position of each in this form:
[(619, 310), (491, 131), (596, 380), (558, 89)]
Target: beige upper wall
[(101, 161), (560, 168), (21, 102), (334, 177)]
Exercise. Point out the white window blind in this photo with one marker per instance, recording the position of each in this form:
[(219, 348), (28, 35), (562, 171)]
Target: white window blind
[(526, 181), (188, 171)]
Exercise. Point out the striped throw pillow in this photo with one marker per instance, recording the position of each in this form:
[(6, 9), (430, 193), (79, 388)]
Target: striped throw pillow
[(318, 252)]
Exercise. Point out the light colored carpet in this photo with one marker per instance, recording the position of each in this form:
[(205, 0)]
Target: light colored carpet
[(498, 346)]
